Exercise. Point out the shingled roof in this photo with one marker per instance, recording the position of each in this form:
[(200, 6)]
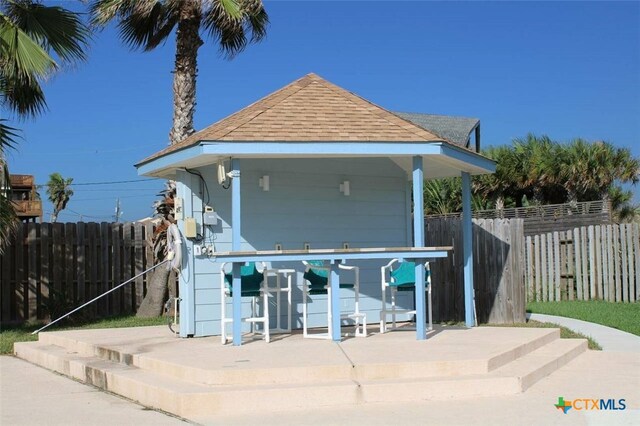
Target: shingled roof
[(455, 129), (310, 109)]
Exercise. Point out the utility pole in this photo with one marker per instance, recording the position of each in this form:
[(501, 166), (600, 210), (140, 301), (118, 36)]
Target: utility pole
[(118, 214)]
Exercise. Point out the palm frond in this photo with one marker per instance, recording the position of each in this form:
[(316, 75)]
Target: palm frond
[(235, 24), (52, 27), (143, 24), (8, 222), (104, 11), (22, 57), (8, 137), (23, 95), (150, 29)]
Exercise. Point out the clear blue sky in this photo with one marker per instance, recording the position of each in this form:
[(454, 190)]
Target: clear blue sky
[(563, 69)]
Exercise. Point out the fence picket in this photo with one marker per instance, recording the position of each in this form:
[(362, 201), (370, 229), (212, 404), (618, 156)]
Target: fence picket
[(616, 263), (570, 263), (543, 268), (18, 284), (556, 265), (624, 276), (537, 269), (69, 264), (592, 263), (585, 262), (94, 260), (610, 268), (6, 293), (45, 270), (550, 269), (598, 266), (31, 293), (630, 264), (605, 262), (578, 263), (127, 267), (81, 265), (636, 249), (531, 290), (116, 296)]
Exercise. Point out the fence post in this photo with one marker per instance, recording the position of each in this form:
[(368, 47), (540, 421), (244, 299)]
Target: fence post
[(32, 293)]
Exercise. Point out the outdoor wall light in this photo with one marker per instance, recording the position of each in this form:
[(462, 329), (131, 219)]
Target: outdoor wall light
[(263, 182), (345, 188)]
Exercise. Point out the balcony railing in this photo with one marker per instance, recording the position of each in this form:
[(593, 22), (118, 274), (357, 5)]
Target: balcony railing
[(22, 181), (28, 207)]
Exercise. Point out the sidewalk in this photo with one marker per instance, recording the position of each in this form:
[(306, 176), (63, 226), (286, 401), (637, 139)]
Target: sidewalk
[(30, 395), (609, 338)]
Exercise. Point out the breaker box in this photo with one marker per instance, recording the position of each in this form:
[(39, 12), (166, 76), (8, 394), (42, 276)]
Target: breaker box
[(210, 216)]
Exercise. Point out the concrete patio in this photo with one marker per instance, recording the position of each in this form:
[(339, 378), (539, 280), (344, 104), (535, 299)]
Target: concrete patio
[(199, 378)]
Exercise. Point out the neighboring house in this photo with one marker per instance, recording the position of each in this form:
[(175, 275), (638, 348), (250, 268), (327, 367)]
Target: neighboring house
[(25, 198)]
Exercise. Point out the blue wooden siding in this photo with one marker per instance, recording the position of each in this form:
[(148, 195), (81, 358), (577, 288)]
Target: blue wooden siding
[(304, 204)]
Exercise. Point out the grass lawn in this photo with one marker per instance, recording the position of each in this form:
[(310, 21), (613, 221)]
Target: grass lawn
[(565, 333), (623, 316), (23, 333)]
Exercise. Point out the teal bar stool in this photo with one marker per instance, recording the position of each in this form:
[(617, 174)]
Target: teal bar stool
[(254, 285), (402, 277), (316, 281)]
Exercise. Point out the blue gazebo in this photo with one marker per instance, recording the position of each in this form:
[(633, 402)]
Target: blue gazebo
[(312, 171)]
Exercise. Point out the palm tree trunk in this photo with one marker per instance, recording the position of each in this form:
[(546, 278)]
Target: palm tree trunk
[(153, 301), (188, 42)]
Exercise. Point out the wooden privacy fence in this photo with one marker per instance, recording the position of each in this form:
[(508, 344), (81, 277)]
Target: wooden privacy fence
[(498, 270), (54, 267), (588, 263)]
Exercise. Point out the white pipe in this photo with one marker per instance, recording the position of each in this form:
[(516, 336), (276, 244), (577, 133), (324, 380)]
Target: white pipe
[(103, 294)]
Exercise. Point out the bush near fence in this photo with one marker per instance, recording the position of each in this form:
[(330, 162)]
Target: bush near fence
[(53, 267)]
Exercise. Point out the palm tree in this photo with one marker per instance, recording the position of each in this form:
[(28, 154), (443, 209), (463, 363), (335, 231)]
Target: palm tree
[(157, 289), (502, 186), (590, 170), (35, 40), (59, 191), (145, 24), (442, 196), (8, 217)]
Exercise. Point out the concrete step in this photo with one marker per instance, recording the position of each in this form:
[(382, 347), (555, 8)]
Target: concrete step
[(538, 364), (192, 400), (334, 364), (182, 398)]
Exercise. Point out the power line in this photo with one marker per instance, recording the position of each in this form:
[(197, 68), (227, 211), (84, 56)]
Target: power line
[(114, 189), (103, 183), (111, 197)]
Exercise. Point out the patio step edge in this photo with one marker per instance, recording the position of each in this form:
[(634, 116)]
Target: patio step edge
[(542, 362), (523, 350), (181, 398)]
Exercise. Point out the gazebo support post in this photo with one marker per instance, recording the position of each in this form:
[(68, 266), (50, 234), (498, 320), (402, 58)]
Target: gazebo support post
[(235, 246), (418, 241), (335, 302), (467, 251)]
